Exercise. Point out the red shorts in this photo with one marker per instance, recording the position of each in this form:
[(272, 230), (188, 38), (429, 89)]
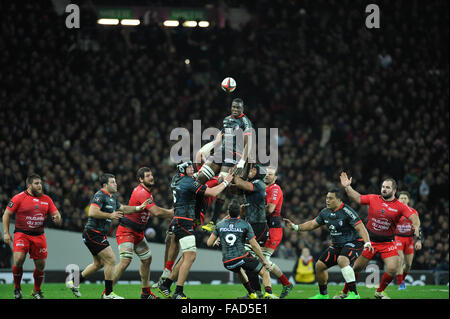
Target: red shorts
[(127, 235), (385, 249), (275, 236), (35, 245), (405, 244)]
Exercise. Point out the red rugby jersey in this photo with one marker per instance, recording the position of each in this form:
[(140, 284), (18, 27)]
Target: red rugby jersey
[(274, 195), (140, 194), (31, 211), (383, 216), (405, 226)]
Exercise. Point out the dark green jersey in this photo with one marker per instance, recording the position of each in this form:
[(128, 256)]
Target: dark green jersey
[(185, 189), (234, 233), (341, 224), (255, 203), (233, 130), (107, 203)]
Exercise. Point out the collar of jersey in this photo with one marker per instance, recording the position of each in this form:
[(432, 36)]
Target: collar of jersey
[(106, 192)]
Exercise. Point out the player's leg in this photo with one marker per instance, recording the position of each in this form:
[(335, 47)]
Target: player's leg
[(399, 274), (347, 256), (170, 255), (17, 270), (360, 264), (38, 277), (189, 249), (322, 280), (38, 252), (246, 283), (265, 275), (145, 255), (391, 265), (108, 259), (275, 237), (21, 246), (126, 249), (408, 263)]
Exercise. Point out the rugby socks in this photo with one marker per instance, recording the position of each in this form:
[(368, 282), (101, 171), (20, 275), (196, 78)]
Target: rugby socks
[(284, 280), (38, 277), (346, 287), (169, 264), (108, 287), (248, 287), (254, 281), (146, 290), (323, 289), (179, 289), (385, 281), (17, 274), (399, 279)]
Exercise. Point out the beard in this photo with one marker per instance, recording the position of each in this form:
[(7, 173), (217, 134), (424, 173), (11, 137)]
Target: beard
[(149, 185), (36, 192), (387, 195)]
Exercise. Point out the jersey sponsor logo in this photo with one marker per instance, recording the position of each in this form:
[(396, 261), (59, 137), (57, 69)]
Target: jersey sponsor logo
[(35, 200), (97, 199), (44, 203), (393, 209), (10, 204)]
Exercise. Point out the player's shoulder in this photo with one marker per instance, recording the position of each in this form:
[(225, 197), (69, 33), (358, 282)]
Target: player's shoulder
[(46, 198), (19, 196), (350, 211)]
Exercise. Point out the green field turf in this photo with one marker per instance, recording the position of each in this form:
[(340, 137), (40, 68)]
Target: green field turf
[(224, 291)]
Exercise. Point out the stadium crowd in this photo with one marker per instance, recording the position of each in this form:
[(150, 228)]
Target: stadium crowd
[(374, 102)]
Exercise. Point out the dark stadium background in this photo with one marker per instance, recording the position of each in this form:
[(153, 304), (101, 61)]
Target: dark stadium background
[(75, 103)]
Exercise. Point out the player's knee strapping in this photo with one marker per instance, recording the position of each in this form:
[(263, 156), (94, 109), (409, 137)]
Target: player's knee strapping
[(126, 250), (143, 251), (188, 243)]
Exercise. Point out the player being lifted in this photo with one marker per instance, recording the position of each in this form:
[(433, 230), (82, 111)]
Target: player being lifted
[(236, 145)]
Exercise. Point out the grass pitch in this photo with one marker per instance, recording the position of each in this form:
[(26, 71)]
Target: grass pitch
[(223, 291)]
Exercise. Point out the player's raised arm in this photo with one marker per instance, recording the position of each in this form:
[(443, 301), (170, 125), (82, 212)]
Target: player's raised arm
[(307, 226), (351, 193)]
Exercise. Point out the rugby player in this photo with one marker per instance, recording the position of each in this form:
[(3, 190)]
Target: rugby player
[(233, 233), (185, 189), (348, 236), (130, 233), (274, 202), (385, 212), (30, 208), (104, 207), (405, 242), (236, 144)]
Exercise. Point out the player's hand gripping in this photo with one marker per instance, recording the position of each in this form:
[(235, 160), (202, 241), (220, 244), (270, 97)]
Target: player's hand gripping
[(144, 204), (345, 181), (368, 246)]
